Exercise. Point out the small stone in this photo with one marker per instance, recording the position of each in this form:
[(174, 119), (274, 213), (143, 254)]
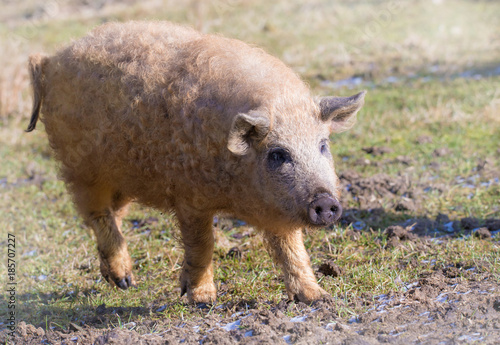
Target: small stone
[(482, 233)]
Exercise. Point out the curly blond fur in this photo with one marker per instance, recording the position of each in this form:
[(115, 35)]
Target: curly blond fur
[(143, 111)]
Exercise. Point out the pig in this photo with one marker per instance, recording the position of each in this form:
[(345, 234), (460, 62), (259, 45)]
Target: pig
[(197, 125)]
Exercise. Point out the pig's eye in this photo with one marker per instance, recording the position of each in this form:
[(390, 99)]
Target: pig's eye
[(324, 149), (277, 157)]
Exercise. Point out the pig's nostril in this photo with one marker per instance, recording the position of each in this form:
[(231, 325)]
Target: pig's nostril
[(324, 210)]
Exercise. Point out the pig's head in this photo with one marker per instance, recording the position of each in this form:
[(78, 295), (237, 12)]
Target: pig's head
[(292, 167)]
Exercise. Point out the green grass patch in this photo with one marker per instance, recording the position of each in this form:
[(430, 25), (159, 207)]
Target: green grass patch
[(58, 271)]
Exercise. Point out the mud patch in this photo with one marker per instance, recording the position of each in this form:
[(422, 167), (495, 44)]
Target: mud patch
[(441, 152), (423, 139), (377, 150), (396, 234), (330, 268), (376, 191), (437, 308), (448, 303), (381, 196)]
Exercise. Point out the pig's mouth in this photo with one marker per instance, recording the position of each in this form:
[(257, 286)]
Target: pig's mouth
[(323, 210)]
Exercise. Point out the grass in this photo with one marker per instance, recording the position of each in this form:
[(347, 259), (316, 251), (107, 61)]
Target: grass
[(58, 272)]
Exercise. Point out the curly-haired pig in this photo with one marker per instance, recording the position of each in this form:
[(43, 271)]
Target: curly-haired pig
[(196, 125)]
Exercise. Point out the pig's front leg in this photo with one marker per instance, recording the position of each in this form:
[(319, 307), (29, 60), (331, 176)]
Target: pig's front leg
[(289, 252), (197, 270)]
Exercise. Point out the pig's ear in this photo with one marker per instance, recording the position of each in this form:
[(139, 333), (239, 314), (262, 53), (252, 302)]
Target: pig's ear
[(247, 128), (341, 111)]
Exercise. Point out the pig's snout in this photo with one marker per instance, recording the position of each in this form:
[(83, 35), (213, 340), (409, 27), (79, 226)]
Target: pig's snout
[(324, 210)]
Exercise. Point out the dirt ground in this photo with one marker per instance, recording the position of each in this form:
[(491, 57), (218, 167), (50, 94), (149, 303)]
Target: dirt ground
[(436, 309), (427, 141), (455, 304)]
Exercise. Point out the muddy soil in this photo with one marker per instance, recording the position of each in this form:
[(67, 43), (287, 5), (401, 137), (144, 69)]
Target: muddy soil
[(380, 197), (439, 308), (453, 304), (457, 303)]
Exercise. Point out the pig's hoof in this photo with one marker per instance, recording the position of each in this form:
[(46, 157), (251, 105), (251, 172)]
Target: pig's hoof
[(118, 272), (123, 283), (203, 291), (206, 293), (126, 282), (310, 295)]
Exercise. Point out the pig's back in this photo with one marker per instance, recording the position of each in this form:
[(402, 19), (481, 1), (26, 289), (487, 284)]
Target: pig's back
[(154, 102)]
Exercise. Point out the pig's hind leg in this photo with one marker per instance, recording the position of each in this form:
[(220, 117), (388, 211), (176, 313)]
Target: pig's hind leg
[(289, 252), (103, 211)]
